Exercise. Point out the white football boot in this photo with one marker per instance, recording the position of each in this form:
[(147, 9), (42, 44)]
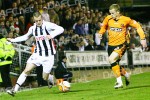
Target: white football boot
[(11, 92), (118, 85)]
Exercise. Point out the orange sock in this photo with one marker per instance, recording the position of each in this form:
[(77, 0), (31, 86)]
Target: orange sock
[(116, 70), (123, 71)]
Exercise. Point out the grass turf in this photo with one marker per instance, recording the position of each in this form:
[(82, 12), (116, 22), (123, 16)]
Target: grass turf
[(139, 89)]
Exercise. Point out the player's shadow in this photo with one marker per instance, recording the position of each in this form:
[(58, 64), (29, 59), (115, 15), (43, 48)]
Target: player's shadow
[(135, 87), (73, 91)]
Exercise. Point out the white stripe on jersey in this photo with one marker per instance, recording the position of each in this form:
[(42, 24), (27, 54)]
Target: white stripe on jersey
[(44, 46)]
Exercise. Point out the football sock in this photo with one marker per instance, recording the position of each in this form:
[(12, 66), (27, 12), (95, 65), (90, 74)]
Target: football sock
[(119, 80), (20, 81), (51, 78), (124, 72), (127, 74), (116, 70)]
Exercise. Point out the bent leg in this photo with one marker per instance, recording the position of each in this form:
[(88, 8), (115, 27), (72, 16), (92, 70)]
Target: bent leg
[(24, 74), (116, 68)]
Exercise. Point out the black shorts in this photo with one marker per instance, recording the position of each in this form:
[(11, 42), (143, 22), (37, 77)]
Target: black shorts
[(120, 49)]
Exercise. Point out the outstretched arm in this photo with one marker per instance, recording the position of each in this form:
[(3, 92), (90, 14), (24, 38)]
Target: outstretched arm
[(140, 31), (104, 26), (21, 38)]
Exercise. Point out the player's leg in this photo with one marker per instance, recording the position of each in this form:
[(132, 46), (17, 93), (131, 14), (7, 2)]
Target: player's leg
[(22, 78), (51, 78), (47, 64), (116, 69), (115, 53), (126, 75)]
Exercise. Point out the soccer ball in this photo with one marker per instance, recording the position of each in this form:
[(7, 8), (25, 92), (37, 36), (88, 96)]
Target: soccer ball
[(64, 86)]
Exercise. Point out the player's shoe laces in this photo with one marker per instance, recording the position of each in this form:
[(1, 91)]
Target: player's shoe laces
[(127, 80), (11, 92), (118, 85)]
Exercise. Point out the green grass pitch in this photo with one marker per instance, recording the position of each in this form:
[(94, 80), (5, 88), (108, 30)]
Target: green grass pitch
[(139, 89)]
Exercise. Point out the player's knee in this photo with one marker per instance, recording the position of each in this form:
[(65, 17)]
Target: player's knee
[(111, 60), (45, 77), (27, 72)]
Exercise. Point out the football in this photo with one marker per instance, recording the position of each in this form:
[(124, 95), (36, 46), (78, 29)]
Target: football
[(64, 86)]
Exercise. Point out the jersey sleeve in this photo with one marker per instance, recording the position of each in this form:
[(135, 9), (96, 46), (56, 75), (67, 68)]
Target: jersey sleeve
[(104, 25), (139, 29), (54, 29), (24, 37)]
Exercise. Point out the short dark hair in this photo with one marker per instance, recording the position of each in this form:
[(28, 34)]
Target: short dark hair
[(63, 57)]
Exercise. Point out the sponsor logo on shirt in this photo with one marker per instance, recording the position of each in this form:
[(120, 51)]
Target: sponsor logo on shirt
[(40, 38), (115, 29)]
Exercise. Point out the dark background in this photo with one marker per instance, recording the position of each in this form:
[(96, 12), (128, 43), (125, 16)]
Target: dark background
[(136, 9)]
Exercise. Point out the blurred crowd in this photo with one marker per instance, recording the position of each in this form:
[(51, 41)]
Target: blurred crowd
[(81, 23)]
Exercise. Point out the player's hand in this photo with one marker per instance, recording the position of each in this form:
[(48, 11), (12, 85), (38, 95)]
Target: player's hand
[(48, 37), (144, 43)]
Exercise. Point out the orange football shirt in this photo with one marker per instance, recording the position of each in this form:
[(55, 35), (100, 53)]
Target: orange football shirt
[(117, 30)]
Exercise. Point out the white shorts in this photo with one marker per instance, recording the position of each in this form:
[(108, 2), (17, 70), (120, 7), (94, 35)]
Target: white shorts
[(46, 62)]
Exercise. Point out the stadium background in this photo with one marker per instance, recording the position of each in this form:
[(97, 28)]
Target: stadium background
[(136, 9)]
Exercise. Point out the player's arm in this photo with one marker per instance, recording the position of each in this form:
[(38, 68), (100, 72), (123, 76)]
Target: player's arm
[(103, 27), (54, 30), (22, 38), (140, 31)]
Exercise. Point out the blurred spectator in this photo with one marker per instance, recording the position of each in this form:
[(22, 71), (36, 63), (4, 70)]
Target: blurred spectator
[(93, 26), (73, 42), (81, 43), (11, 33), (45, 14), (86, 26), (2, 12), (67, 22), (3, 30), (14, 6), (16, 32), (29, 24), (16, 22), (22, 25), (53, 16), (7, 26), (11, 19), (134, 38), (79, 29), (90, 45), (40, 8)]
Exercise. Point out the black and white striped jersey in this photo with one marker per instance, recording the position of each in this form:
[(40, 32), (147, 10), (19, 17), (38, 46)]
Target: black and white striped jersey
[(44, 46)]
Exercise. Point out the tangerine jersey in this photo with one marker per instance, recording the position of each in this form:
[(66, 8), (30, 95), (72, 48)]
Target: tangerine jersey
[(117, 29)]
